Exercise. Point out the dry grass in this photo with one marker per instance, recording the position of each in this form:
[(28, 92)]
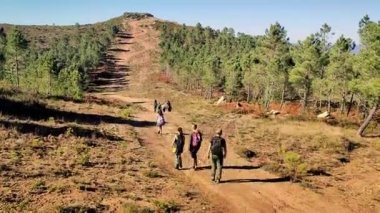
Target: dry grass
[(48, 173)]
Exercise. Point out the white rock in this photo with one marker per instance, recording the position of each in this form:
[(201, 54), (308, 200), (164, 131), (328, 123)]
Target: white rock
[(324, 115), (220, 101)]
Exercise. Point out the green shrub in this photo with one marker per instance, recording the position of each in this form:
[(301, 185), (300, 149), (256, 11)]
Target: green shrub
[(39, 186), (167, 205), (36, 143), (294, 165), (16, 157), (133, 208), (84, 159), (152, 174), (125, 113)]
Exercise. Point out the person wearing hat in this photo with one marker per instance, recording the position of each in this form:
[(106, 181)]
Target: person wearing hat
[(218, 151)]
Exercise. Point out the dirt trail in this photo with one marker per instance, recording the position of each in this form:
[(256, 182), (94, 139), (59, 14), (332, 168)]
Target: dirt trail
[(245, 188)]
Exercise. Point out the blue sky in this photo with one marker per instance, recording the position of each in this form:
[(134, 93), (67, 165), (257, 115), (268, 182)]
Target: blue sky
[(300, 17)]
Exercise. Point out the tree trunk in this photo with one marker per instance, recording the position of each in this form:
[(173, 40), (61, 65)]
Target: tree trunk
[(50, 84), (305, 97), (17, 79), (283, 95), (343, 105), (329, 104), (350, 104), (366, 121), (248, 94)]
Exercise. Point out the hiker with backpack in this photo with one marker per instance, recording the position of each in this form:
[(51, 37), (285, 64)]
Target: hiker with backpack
[(160, 121), (218, 151), (195, 145), (178, 144)]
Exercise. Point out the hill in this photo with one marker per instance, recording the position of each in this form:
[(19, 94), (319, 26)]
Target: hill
[(100, 152)]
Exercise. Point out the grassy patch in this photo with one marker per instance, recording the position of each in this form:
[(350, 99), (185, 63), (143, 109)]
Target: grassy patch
[(133, 208), (126, 112), (295, 167), (16, 157), (39, 187), (169, 205), (152, 174)]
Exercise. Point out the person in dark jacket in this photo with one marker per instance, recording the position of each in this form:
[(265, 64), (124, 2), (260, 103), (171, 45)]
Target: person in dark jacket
[(178, 144)]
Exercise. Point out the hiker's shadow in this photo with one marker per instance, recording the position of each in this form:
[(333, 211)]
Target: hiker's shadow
[(248, 180), (254, 180)]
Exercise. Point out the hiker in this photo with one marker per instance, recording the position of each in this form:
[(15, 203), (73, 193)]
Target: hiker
[(160, 121), (195, 145), (155, 105), (178, 144), (218, 151), (167, 106)]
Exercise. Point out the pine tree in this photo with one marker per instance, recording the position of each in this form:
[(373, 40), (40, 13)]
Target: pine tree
[(306, 56), (16, 45), (367, 64)]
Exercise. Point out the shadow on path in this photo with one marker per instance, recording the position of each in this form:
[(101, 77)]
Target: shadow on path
[(268, 180), (231, 167)]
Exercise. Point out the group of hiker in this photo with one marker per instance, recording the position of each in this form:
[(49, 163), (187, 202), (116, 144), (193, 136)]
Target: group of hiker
[(217, 149)]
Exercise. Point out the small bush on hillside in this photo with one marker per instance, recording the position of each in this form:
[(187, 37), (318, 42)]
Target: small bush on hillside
[(246, 153), (16, 157), (81, 148), (84, 159), (63, 172), (133, 208), (51, 120), (36, 143), (69, 132), (125, 113), (39, 187), (167, 205), (295, 167), (152, 174)]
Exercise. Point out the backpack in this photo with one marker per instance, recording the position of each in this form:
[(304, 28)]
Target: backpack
[(179, 142), (217, 146), (196, 139)]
